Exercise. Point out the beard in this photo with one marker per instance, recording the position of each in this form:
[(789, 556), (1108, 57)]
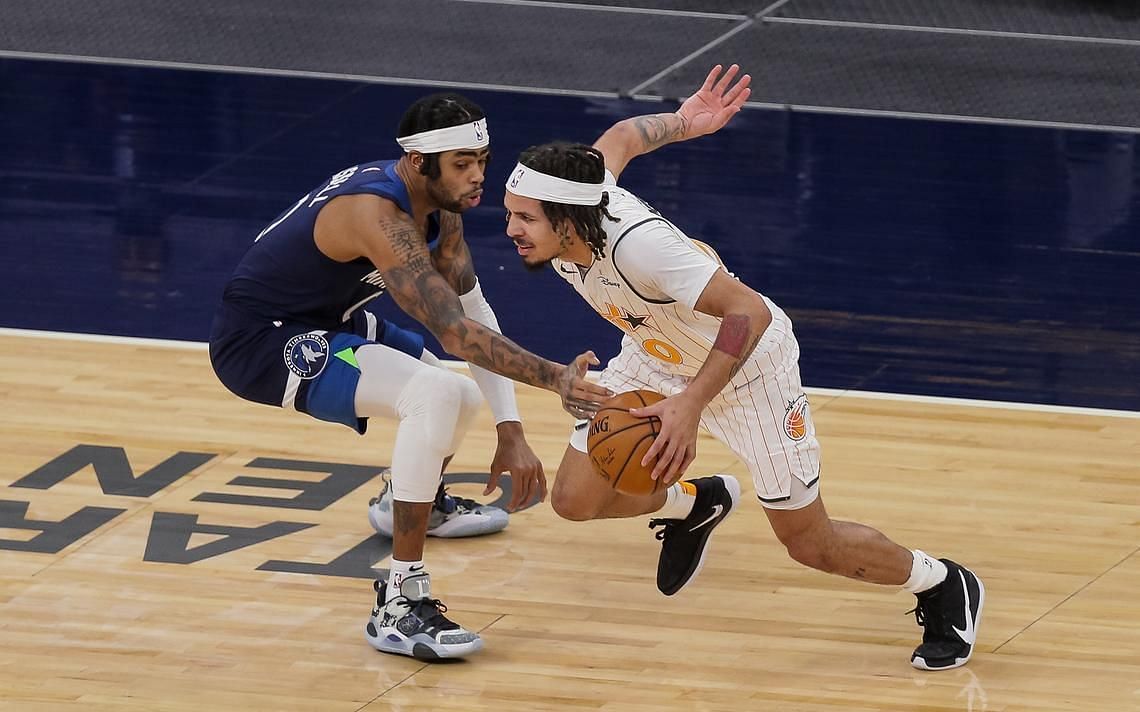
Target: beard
[(536, 266), (442, 199)]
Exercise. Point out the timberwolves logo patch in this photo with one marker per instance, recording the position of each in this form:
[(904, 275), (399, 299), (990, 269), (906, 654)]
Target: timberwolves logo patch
[(795, 419), (306, 355)]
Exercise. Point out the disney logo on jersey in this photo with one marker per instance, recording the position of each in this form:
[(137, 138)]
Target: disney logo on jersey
[(608, 282), (306, 355)]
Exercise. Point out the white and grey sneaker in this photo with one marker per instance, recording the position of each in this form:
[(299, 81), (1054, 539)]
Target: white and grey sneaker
[(411, 622), (451, 517)]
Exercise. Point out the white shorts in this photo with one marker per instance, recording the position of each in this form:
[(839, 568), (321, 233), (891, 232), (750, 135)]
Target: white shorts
[(766, 422)]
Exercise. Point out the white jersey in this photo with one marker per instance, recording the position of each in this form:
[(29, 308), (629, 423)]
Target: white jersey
[(647, 284)]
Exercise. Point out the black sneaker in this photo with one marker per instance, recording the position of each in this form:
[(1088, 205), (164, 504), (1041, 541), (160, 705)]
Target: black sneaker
[(949, 614), (411, 622), (684, 542)]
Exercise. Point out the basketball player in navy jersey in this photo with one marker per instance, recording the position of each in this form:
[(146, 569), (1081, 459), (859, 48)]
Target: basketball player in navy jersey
[(296, 329), (726, 358)]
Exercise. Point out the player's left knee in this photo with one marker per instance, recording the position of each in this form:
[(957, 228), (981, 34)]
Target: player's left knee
[(571, 503)]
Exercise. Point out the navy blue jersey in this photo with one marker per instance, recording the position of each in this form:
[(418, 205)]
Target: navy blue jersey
[(290, 317), (284, 276)]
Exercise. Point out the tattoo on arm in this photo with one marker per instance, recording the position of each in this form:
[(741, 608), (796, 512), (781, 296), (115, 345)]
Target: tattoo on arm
[(428, 298), (659, 129), (451, 257), (736, 339)]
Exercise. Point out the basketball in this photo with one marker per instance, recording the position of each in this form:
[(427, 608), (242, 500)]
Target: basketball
[(617, 441)]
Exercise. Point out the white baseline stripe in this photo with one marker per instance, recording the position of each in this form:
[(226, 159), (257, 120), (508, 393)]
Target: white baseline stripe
[(891, 114), (610, 8), (953, 31), (552, 91), (460, 365), (305, 74)]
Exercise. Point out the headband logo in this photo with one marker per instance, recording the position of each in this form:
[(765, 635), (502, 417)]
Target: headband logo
[(517, 176)]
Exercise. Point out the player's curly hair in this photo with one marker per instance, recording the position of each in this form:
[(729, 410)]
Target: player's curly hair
[(576, 162), (437, 111)]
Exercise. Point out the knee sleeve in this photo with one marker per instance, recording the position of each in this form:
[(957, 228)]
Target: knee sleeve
[(434, 408)]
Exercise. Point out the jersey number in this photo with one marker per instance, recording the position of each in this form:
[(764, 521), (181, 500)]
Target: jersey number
[(662, 350)]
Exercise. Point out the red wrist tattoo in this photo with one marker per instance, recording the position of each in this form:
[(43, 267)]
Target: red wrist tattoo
[(733, 335)]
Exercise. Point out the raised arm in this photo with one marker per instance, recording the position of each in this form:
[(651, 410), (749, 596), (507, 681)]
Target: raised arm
[(704, 112)]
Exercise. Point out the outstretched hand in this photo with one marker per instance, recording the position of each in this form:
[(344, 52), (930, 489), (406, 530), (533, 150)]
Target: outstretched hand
[(580, 397), (710, 108)]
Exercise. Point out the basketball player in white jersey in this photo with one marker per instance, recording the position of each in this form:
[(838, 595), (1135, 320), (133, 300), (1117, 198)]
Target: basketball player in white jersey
[(726, 358)]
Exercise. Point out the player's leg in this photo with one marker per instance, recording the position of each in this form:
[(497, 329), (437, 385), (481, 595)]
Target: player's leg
[(769, 426), (450, 516), (684, 515), (434, 407)]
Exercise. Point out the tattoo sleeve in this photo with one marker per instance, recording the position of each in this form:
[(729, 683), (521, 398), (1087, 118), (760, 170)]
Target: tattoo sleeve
[(451, 257), (430, 299)]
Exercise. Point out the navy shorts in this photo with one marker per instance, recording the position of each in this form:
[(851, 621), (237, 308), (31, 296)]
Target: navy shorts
[(293, 365)]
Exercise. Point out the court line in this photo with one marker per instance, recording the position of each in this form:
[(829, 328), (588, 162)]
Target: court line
[(301, 74), (1007, 34), (460, 365), (956, 118), (1066, 599), (693, 55), (552, 91), (611, 8)]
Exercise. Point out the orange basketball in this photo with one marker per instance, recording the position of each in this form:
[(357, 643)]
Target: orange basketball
[(617, 441)]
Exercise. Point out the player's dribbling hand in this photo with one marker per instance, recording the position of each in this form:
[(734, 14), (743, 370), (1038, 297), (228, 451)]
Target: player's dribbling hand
[(710, 108), (675, 447), (581, 398)]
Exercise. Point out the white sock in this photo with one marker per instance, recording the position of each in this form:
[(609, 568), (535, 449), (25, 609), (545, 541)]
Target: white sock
[(399, 571), (925, 573), (679, 500)]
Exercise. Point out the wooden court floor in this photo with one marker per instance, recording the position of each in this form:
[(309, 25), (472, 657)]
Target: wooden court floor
[(164, 546)]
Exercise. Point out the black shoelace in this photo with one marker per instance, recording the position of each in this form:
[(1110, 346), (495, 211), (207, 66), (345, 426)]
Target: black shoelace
[(929, 615), (667, 526), (430, 611)]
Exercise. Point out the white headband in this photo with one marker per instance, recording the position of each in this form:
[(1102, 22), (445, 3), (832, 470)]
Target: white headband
[(472, 135), (530, 183)]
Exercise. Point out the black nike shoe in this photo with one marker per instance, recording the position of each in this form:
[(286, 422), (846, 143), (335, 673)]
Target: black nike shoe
[(684, 542), (949, 614)]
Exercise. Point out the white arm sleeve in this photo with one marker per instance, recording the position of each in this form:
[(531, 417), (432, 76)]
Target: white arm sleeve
[(498, 390), (658, 263)]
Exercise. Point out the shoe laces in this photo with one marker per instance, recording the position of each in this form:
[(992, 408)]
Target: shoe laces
[(667, 527), (929, 615), (430, 611), (448, 503)]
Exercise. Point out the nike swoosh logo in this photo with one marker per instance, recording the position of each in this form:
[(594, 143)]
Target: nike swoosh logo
[(579, 426), (969, 633), (717, 509)]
